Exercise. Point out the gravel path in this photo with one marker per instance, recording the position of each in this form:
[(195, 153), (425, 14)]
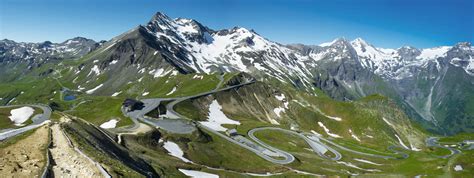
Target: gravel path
[(68, 162)]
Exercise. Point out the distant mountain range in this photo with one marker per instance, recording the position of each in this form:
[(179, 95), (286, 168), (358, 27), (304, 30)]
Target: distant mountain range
[(434, 86)]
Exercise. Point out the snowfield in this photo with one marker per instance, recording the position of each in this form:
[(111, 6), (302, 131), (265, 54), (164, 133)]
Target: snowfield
[(20, 115), (175, 151), (109, 124), (217, 118), (192, 173), (433, 53)]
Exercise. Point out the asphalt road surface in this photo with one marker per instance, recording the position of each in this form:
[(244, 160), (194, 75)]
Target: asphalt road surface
[(314, 144)]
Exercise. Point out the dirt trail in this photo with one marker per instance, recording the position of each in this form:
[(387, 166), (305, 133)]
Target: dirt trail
[(27, 157), (68, 162)]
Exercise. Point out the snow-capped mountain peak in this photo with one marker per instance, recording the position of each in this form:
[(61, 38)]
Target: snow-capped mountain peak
[(360, 42), (160, 17), (240, 49), (365, 49), (335, 42)]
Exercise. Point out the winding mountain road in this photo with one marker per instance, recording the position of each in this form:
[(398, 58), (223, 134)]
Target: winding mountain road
[(313, 140), (314, 144), (433, 142)]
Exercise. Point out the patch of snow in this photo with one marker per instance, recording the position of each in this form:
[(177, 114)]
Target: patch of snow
[(20, 115), (79, 88), (11, 101), (328, 131), (113, 62), (469, 68), (171, 92), (198, 174), (357, 167), (278, 111), (198, 77), (353, 135), (117, 93), (217, 118), (146, 93), (370, 136), (401, 142), (458, 168), (386, 121), (367, 161), (109, 124), (300, 103), (315, 133), (330, 117), (264, 175), (158, 73), (175, 150), (413, 148), (94, 89), (259, 66), (95, 69), (185, 26), (174, 73), (155, 53), (280, 97)]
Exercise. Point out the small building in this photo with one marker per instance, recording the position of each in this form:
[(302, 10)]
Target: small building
[(132, 105), (231, 132)]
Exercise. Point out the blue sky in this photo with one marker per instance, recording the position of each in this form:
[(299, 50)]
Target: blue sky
[(384, 23)]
